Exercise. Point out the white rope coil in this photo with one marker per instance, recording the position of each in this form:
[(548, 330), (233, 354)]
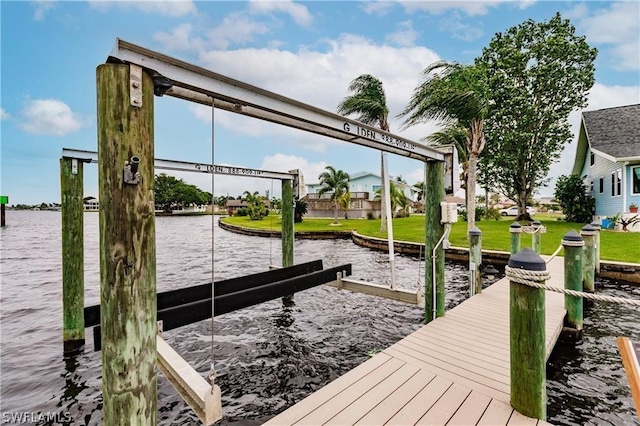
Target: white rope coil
[(528, 229), (529, 278)]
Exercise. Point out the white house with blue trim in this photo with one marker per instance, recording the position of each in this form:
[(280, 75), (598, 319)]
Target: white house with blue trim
[(608, 159)]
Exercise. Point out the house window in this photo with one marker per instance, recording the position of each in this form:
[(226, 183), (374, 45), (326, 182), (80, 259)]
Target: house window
[(619, 182), (593, 159), (635, 180), (613, 184), (375, 188), (601, 184)]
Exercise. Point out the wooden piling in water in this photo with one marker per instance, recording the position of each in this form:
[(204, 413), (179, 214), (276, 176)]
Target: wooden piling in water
[(71, 196), (127, 246), (515, 229), (475, 260), (434, 195), (588, 234), (573, 248), (598, 228), (527, 339), (3, 211), (288, 232)]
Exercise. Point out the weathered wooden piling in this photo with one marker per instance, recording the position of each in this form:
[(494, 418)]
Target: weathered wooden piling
[(598, 228), (434, 195), (588, 234), (573, 247), (288, 232), (127, 245), (71, 193), (536, 237), (475, 260), (515, 229), (527, 336)]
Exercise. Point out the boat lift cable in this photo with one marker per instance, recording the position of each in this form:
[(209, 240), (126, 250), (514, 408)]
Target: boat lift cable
[(212, 370)]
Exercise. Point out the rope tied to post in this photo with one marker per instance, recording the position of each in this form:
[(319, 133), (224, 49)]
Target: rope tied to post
[(533, 278)]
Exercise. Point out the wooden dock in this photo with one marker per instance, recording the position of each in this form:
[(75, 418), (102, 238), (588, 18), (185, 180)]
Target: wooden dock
[(454, 371)]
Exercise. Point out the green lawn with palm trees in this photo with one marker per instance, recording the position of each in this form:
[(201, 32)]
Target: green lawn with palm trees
[(617, 246)]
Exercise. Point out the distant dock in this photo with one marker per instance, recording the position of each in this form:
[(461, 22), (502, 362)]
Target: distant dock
[(454, 370)]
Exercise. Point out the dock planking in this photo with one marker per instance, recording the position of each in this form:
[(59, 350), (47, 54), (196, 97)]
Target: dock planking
[(453, 371)]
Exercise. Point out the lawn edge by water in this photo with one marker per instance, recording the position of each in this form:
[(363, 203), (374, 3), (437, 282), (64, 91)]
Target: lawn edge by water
[(616, 246)]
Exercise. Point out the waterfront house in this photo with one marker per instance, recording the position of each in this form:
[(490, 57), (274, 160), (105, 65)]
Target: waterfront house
[(608, 159), (363, 187)]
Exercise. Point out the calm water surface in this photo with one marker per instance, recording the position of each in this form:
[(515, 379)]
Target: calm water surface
[(267, 357)]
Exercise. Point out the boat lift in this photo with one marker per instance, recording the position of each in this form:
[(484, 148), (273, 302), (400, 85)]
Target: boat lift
[(179, 79)]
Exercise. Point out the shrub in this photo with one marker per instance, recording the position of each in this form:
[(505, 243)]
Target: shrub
[(493, 214), (577, 204), (479, 214), (370, 215), (243, 211), (257, 211), (300, 210)]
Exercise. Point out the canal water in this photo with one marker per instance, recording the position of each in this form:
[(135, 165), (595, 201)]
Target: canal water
[(266, 357)]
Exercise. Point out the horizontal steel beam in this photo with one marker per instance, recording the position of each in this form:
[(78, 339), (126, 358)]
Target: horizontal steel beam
[(200, 85), (181, 296), (184, 166), (190, 313)]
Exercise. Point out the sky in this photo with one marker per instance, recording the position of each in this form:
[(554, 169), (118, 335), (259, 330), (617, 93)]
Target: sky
[(307, 51)]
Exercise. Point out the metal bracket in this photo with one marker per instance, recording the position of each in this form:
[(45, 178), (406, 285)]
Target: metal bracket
[(135, 85), (130, 174), (74, 166)]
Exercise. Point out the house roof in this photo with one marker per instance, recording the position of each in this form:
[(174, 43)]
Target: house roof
[(611, 132), (358, 175)]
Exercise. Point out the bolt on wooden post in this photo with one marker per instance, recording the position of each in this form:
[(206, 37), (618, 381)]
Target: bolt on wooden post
[(127, 245), (527, 336), (71, 189), (588, 234), (598, 228), (573, 247), (515, 229), (475, 260)]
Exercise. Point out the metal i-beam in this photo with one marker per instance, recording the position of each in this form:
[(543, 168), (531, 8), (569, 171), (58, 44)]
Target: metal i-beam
[(184, 166), (196, 84)]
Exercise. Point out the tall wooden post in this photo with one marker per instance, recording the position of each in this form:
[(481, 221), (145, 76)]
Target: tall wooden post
[(573, 247), (527, 338), (433, 195), (288, 232), (287, 223), (71, 193), (537, 236), (588, 234), (598, 228), (127, 246), (475, 260), (515, 229)]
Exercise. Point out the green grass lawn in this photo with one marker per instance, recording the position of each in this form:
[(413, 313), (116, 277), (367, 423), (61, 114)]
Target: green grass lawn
[(617, 246)]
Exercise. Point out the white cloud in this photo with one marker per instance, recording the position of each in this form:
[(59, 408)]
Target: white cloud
[(405, 35), (180, 39), (41, 7), (235, 29), (50, 117), (4, 115), (172, 8), (460, 28), (284, 163), (470, 8), (619, 27), (377, 7), (298, 12)]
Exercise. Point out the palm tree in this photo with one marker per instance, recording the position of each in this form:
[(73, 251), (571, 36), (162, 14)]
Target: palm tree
[(344, 201), (337, 183), (369, 102), (456, 135), (457, 95), (397, 198)]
